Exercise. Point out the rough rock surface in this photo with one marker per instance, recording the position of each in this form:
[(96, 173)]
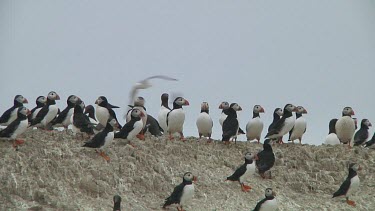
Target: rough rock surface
[(51, 171)]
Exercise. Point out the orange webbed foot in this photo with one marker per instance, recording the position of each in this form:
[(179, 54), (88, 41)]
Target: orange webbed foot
[(141, 136), (245, 188), (350, 202)]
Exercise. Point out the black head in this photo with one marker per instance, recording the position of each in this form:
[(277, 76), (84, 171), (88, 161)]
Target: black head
[(290, 108), (235, 107), (267, 147), (102, 101), (40, 101), (278, 112), (189, 178), (179, 102), (89, 110), (224, 105), (19, 100), (269, 193), (347, 111), (164, 97), (72, 100), (332, 126), (365, 123), (116, 203), (52, 95), (23, 112)]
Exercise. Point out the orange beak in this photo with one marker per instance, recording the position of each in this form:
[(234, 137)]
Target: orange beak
[(353, 113), (220, 106), (262, 110), (186, 102), (305, 111), (57, 97), (195, 179), (142, 114), (25, 100), (256, 157), (28, 112), (239, 108)]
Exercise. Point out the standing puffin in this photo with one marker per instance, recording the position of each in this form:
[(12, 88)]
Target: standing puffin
[(104, 112), (102, 139), (182, 193), (80, 122), (254, 127), (11, 114), (283, 125), (139, 103), (90, 112), (331, 138), (265, 161), (362, 134), (299, 125), (132, 128), (153, 126), (176, 118), (371, 143), (223, 106), (17, 127), (40, 102), (350, 185), (345, 126), (48, 112), (204, 122), (277, 113), (63, 119), (245, 171), (163, 112), (269, 203), (116, 203), (230, 124)]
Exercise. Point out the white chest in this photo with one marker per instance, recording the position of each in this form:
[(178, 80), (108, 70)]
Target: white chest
[(35, 113), (67, 120), (332, 139), (204, 124), (269, 205), (20, 129), (108, 139), (162, 117), (250, 170), (102, 115), (13, 116), (137, 127), (288, 125), (176, 120), (254, 128), (354, 185), (223, 116), (187, 194), (52, 113)]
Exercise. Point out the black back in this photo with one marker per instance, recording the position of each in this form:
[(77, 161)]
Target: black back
[(346, 184), (6, 115), (127, 128), (9, 130), (371, 142), (276, 118), (81, 121), (362, 134), (266, 158), (332, 126), (176, 195), (280, 123), (261, 202), (230, 124), (152, 125), (90, 111), (99, 139), (43, 112), (117, 203)]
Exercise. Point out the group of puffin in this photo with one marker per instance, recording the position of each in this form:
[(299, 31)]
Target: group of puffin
[(102, 125)]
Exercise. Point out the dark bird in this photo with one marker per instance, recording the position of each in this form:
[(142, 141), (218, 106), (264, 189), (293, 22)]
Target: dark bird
[(90, 112), (276, 117), (153, 126), (17, 127), (230, 124), (117, 203), (350, 185), (283, 125), (81, 122), (104, 111), (132, 128), (266, 160), (362, 134), (269, 203), (182, 193), (244, 172), (371, 144), (163, 112), (40, 102), (47, 113), (63, 119), (11, 114)]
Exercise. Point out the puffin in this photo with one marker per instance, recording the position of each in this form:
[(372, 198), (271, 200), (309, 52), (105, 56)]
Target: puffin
[(63, 119), (371, 143), (277, 113), (345, 126), (102, 139), (139, 103), (204, 122), (299, 125), (11, 114), (163, 112), (176, 118), (362, 134), (90, 112), (17, 127), (40, 102), (254, 127), (230, 124), (223, 106), (332, 138), (350, 185), (81, 122), (116, 203), (104, 111), (269, 203), (284, 124), (182, 193), (266, 160), (132, 128), (47, 113), (153, 126), (245, 171)]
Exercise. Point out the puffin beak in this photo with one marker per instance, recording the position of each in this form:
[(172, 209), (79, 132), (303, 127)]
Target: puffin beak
[(256, 157), (28, 112), (186, 102), (273, 193), (262, 110), (25, 100), (142, 114), (353, 113), (97, 101), (239, 108), (220, 106), (195, 179), (57, 97), (305, 111), (370, 125)]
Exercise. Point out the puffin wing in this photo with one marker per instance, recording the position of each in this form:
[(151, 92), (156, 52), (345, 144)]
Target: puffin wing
[(6, 115), (259, 204), (97, 141), (277, 127), (40, 116), (175, 197), (113, 115), (9, 130), (125, 130), (359, 137), (238, 173), (60, 118), (229, 128), (343, 188)]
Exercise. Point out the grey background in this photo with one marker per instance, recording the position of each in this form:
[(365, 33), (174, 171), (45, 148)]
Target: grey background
[(319, 54)]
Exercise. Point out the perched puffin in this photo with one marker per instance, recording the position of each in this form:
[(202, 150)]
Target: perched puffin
[(362, 134), (266, 160), (269, 203), (11, 114), (345, 126), (331, 138), (139, 103), (223, 106), (116, 203), (182, 193), (48, 112), (350, 185), (254, 127), (63, 119), (81, 122), (132, 128), (371, 144), (17, 127), (163, 112), (104, 111), (276, 117), (102, 139), (153, 126), (230, 124), (283, 125), (299, 125), (40, 102), (90, 112), (204, 122), (176, 118), (245, 171)]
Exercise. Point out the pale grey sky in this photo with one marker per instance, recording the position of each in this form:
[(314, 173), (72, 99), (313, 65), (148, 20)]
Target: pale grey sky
[(318, 54)]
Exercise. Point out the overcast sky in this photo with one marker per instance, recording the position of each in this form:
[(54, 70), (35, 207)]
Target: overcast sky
[(318, 54)]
